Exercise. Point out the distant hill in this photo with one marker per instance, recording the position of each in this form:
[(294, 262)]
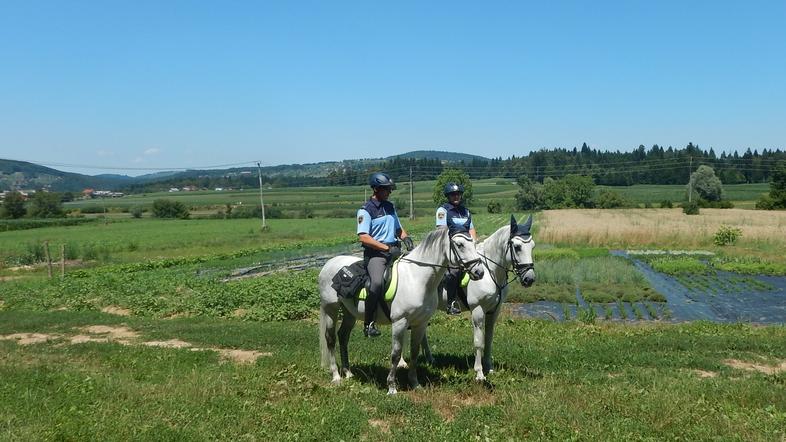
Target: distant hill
[(439, 155), (24, 175)]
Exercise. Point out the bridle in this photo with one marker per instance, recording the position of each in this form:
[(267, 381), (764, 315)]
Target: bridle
[(463, 265), (519, 269)]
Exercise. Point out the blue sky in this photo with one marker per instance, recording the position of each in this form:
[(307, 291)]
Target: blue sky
[(152, 84)]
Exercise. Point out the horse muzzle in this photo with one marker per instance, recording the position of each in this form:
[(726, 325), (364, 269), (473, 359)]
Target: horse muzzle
[(476, 271), (526, 275)]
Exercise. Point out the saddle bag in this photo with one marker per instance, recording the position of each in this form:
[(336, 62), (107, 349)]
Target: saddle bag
[(349, 280)]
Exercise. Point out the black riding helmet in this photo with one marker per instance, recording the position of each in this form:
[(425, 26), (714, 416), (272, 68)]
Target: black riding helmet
[(380, 179), (452, 188)]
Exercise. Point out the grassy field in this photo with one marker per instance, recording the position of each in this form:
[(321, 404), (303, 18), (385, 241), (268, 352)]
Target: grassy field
[(94, 375), (323, 201), (554, 381)]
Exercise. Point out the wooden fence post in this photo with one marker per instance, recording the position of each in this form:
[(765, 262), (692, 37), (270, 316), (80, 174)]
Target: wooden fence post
[(48, 258), (62, 260)]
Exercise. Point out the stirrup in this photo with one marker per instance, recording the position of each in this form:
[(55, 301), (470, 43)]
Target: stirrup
[(370, 330)]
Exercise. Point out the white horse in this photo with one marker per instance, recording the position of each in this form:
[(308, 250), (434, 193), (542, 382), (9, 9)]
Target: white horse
[(419, 275), (509, 248)]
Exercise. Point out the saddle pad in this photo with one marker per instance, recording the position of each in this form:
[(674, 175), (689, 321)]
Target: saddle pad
[(390, 293)]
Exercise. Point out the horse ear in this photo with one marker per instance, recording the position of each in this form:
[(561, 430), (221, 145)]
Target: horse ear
[(525, 228), (513, 226)]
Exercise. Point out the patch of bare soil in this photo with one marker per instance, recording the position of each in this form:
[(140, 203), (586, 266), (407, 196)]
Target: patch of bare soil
[(240, 356), (380, 425), (171, 343), (761, 368), (448, 404), (29, 338), (239, 313), (106, 333), (704, 374), (115, 310), (10, 278)]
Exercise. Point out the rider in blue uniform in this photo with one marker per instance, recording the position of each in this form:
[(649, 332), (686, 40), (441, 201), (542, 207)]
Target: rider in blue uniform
[(455, 213), (379, 231)]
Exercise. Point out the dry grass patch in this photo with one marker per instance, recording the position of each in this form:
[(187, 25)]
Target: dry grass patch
[(171, 343), (29, 338), (115, 310), (448, 404), (656, 227), (761, 368), (704, 373)]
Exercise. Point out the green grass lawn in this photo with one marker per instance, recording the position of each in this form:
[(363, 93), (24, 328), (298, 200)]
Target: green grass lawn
[(557, 381)]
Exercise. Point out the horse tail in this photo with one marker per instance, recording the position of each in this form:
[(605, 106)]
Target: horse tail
[(323, 347)]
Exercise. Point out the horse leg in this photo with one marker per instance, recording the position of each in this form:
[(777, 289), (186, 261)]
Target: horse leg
[(488, 363), (399, 330), (478, 326), (426, 349), (328, 314), (347, 323), (418, 335)]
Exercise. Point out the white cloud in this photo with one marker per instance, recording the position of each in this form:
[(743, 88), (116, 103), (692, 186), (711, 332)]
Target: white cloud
[(152, 151)]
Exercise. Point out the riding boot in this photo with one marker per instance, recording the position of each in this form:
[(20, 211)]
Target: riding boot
[(369, 326), (451, 287)]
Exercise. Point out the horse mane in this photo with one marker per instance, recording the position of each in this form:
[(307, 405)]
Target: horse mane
[(494, 245), (434, 240)]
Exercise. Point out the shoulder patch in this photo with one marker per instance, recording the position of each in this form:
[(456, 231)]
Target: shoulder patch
[(360, 219), (441, 215)]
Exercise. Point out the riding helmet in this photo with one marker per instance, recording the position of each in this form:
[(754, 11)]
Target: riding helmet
[(380, 179), (452, 188)]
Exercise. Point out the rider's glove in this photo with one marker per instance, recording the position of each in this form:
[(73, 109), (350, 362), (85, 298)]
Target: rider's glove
[(393, 252), (408, 243)]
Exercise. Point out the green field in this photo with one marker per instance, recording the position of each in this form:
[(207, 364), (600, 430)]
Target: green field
[(572, 380), (554, 381), (345, 200)]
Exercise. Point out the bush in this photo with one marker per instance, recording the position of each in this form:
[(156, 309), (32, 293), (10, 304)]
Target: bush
[(765, 202), (46, 205), (609, 199), (727, 235), (163, 208), (691, 208), (494, 207), (136, 212), (13, 207), (666, 204)]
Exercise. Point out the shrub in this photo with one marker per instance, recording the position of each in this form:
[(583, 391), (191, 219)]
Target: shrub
[(136, 212), (163, 208), (494, 207), (727, 235), (765, 202), (666, 204), (691, 208), (46, 205), (609, 199)]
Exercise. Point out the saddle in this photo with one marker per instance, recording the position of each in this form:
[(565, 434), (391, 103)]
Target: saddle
[(351, 282)]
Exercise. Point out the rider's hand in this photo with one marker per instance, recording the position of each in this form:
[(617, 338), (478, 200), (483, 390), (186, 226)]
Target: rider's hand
[(393, 252), (408, 243)]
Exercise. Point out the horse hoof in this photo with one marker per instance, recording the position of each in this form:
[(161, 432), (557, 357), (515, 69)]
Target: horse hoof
[(392, 391), (348, 375), (402, 363), (336, 381), (480, 377)]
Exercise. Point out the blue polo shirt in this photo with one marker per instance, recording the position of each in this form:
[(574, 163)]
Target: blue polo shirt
[(456, 214), (379, 220)]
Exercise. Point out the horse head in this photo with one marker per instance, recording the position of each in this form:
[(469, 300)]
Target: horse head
[(463, 252), (521, 245)]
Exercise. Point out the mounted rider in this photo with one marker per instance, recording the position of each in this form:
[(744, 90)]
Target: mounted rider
[(454, 212), (380, 233)]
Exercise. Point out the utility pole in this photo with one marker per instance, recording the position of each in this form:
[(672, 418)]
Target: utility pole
[(261, 197), (411, 196), (690, 182)]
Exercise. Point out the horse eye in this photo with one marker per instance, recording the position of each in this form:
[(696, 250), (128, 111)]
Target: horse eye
[(518, 248)]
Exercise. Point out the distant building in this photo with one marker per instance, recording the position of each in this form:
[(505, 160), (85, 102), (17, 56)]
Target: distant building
[(88, 193), (174, 189), (219, 189)]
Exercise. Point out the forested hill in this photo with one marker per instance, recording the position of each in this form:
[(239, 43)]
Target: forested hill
[(656, 165)]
